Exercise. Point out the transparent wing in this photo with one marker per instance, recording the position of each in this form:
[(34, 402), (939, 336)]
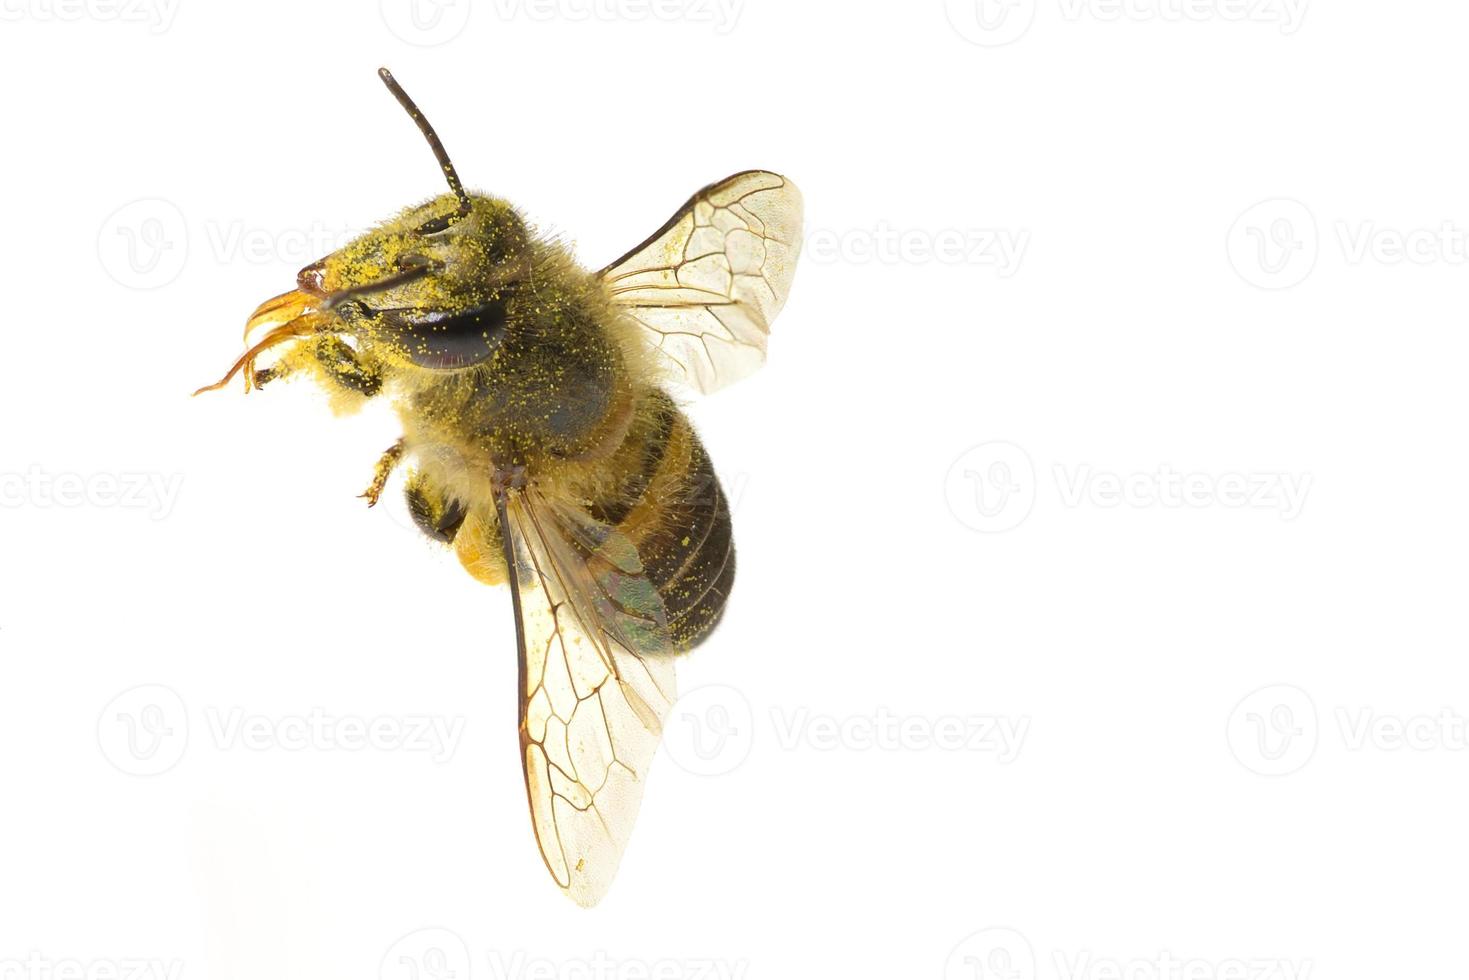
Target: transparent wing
[(596, 681), (709, 283)]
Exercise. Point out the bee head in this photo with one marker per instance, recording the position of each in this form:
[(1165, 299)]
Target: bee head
[(430, 286)]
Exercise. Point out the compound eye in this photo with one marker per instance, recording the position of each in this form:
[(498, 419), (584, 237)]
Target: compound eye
[(445, 341)]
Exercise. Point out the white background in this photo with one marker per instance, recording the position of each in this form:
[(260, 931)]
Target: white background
[(1198, 434)]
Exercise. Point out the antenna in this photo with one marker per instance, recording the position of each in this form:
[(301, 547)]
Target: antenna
[(424, 127)]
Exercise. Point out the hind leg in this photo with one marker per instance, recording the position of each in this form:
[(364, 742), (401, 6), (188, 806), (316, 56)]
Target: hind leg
[(437, 515), (473, 533)]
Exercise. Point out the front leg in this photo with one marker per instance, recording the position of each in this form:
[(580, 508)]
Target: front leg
[(385, 466), (343, 365), (332, 361)]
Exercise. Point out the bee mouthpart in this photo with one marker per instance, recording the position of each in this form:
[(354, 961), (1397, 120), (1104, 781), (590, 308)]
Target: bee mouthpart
[(289, 315), (282, 309)]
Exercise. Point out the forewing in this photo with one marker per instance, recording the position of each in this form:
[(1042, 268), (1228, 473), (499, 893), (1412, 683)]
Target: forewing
[(709, 283), (596, 681)]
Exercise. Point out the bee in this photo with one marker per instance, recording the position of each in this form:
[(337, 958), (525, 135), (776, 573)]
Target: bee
[(543, 444)]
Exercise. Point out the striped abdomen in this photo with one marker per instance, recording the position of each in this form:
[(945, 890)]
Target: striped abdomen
[(667, 502), (672, 508)]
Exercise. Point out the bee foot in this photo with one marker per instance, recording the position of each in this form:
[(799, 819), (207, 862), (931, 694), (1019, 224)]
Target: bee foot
[(385, 466)]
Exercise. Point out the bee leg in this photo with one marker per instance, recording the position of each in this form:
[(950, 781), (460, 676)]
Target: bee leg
[(437, 514), (286, 367), (345, 368), (385, 466)]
